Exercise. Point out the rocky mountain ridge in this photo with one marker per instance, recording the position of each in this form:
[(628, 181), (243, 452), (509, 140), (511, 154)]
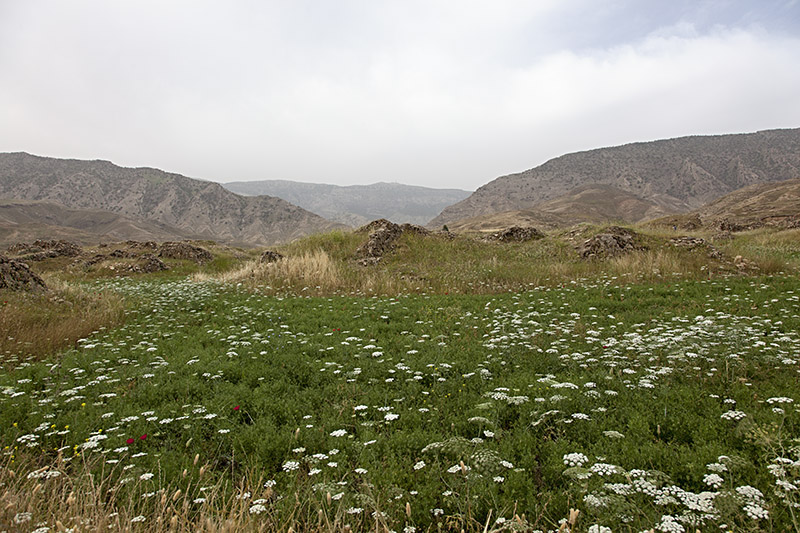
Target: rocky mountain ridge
[(675, 175), (201, 208)]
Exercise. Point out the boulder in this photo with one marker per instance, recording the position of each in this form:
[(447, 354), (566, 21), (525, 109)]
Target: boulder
[(17, 276), (184, 250)]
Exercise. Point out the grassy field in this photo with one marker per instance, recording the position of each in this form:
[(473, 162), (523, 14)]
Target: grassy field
[(320, 396)]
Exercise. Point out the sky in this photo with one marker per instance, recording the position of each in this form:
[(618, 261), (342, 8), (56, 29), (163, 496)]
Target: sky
[(448, 94)]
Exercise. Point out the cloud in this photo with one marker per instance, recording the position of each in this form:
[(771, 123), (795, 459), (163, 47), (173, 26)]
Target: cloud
[(356, 92)]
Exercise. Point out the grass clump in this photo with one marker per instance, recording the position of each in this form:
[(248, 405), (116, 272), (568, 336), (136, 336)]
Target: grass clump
[(35, 325)]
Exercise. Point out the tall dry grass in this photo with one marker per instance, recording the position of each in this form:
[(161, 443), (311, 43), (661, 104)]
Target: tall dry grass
[(78, 496), (34, 325), (312, 271)]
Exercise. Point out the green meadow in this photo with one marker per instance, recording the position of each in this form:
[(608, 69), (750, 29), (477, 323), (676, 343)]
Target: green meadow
[(584, 398)]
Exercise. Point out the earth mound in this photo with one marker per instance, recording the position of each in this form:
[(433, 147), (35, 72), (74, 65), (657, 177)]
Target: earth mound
[(382, 235), (17, 276), (516, 234), (611, 243), (40, 250)]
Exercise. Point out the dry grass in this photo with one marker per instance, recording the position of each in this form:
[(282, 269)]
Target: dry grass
[(35, 325), (312, 270), (75, 495), (67, 496)]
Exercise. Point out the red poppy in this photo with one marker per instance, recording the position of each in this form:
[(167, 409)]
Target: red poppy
[(143, 437), (236, 408), (129, 441)]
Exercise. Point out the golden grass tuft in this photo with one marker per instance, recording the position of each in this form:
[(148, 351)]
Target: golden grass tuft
[(35, 325), (313, 271), (78, 495)]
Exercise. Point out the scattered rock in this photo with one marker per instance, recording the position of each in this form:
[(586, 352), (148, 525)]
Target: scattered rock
[(123, 253), (685, 241), (783, 222), (516, 234), (270, 256), (730, 226), (147, 245), (184, 250), (744, 265), (17, 276), (692, 243), (614, 241), (723, 236)]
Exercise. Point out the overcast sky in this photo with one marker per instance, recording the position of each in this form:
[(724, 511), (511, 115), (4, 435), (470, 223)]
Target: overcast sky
[(435, 93)]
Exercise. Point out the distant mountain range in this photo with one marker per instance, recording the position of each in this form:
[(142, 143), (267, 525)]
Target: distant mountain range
[(96, 200), (636, 181), (173, 203), (355, 205)]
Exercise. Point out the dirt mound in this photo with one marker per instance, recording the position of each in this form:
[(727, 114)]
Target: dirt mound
[(42, 249), (380, 241), (17, 276), (516, 234), (613, 242), (413, 228), (375, 225), (270, 256), (184, 250), (149, 263)]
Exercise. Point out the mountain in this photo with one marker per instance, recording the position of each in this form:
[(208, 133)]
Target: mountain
[(676, 175), (356, 205), (24, 221), (200, 208)]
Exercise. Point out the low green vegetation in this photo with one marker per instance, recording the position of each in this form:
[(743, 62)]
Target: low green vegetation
[(505, 393)]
